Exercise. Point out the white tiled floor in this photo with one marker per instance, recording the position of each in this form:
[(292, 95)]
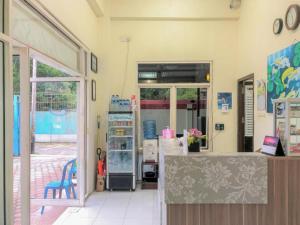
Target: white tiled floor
[(115, 208)]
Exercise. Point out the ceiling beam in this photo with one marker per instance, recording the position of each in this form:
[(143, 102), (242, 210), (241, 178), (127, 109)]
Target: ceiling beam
[(97, 7)]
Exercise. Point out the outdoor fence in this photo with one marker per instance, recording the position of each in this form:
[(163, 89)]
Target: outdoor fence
[(55, 119)]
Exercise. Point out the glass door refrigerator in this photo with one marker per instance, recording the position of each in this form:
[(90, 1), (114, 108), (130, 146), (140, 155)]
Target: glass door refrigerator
[(121, 166)]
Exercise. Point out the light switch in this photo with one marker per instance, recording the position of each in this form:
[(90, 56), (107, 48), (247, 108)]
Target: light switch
[(220, 126)]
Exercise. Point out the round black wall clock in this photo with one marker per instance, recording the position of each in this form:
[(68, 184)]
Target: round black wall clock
[(277, 26), (292, 17)]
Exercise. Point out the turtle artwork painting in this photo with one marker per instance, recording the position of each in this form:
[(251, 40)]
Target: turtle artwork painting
[(283, 75)]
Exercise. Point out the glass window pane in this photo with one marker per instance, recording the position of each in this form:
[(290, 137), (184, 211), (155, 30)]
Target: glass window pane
[(120, 162), (44, 70), (31, 29), (174, 73), (1, 15), (192, 110), (155, 111), (17, 149), (54, 145)]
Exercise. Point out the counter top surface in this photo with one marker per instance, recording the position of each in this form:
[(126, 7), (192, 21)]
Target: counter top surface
[(213, 178), (172, 148)]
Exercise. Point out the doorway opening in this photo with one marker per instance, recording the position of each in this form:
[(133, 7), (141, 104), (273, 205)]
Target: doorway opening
[(191, 111), (48, 148), (246, 114)]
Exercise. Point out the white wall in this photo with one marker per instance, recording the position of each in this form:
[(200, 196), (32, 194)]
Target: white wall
[(172, 9), (171, 39), (255, 42)]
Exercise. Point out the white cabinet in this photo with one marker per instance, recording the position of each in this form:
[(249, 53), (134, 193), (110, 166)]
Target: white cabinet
[(150, 150)]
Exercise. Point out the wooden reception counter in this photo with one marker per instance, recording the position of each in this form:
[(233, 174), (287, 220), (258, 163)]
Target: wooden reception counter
[(227, 189)]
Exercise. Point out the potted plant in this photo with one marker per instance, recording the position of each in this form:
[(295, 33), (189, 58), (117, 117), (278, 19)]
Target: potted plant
[(194, 138)]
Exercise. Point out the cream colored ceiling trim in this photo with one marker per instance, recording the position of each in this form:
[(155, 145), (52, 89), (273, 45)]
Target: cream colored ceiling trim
[(97, 7), (173, 19)]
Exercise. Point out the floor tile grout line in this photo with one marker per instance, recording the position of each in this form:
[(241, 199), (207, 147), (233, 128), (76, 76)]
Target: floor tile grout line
[(123, 223), (99, 212)]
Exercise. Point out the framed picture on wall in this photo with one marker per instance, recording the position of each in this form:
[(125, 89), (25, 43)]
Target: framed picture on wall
[(224, 98), (94, 90), (94, 63), (261, 95)]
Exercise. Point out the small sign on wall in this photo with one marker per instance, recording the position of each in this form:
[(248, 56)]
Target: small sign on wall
[(225, 108), (261, 95), (224, 101)]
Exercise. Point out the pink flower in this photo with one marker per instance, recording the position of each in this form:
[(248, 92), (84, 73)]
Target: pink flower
[(195, 133)]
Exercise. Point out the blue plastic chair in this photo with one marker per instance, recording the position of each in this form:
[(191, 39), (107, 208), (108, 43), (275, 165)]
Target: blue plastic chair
[(64, 184)]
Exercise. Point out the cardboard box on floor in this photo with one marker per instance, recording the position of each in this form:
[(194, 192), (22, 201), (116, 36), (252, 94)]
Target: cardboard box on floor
[(100, 183)]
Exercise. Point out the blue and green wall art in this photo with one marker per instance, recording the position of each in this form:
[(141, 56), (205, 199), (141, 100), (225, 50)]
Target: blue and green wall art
[(283, 75)]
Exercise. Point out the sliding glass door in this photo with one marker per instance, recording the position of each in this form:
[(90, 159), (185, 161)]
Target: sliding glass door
[(56, 141), (49, 138), (2, 207), (55, 147), (5, 115), (2, 145)]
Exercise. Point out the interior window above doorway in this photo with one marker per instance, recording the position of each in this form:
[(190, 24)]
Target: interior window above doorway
[(34, 30), (174, 73), (45, 70)]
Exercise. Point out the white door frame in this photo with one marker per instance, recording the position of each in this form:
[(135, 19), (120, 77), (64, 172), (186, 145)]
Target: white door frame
[(25, 131), (81, 141), (173, 93), (81, 145), (6, 121), (25, 82), (26, 50)]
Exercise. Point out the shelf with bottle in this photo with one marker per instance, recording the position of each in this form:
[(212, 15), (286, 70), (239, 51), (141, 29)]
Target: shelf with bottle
[(120, 123), (120, 132), (126, 144), (117, 136), (119, 104), (126, 127), (120, 150)]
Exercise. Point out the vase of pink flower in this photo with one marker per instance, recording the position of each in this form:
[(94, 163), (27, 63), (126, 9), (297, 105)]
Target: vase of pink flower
[(194, 138)]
